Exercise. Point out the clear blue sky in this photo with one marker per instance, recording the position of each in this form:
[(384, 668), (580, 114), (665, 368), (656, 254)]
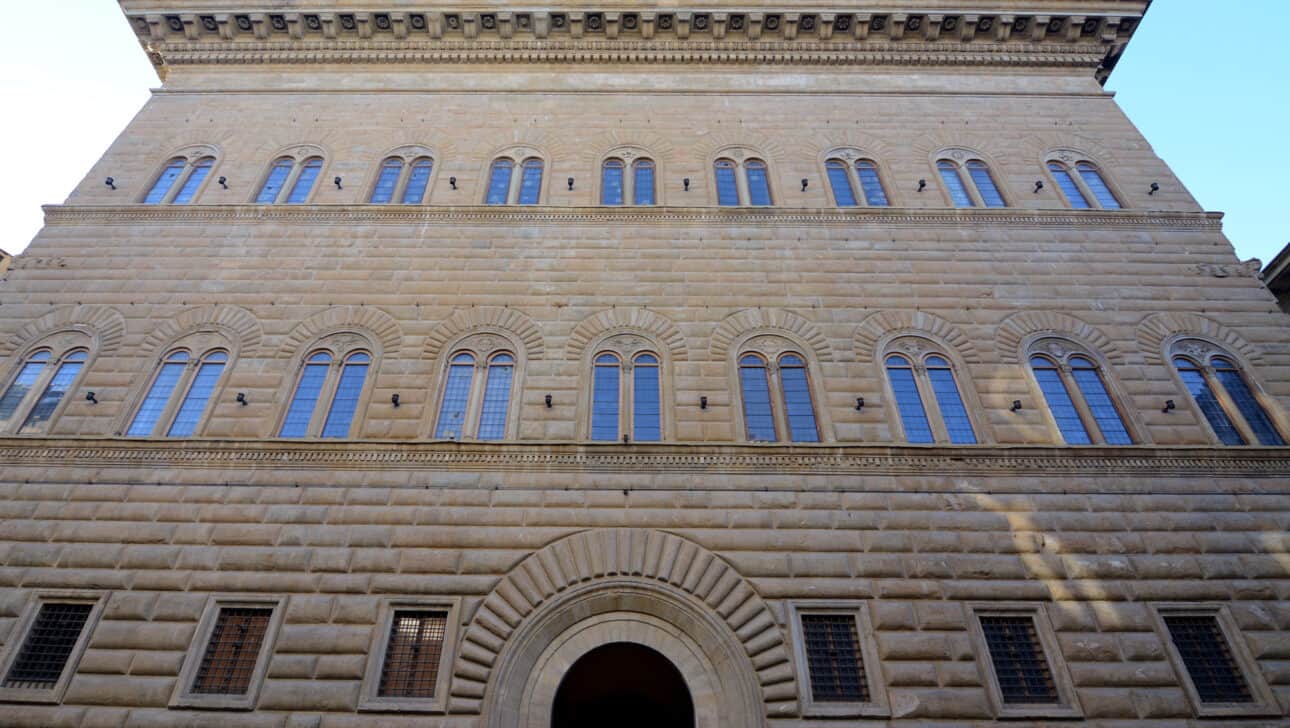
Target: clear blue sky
[(1213, 102)]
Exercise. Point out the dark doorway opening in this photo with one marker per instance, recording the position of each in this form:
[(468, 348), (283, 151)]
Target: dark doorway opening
[(623, 685)]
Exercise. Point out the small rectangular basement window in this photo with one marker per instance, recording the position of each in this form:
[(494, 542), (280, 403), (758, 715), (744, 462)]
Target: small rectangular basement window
[(413, 653), (1209, 660), (230, 653), (49, 643), (1214, 665), (833, 658), (1019, 663)]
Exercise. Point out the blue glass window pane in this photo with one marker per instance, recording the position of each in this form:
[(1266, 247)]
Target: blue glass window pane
[(950, 402), (53, 394), (145, 420), (840, 181), (163, 184), (22, 384), (383, 192), (273, 185), (647, 423), (415, 192), (954, 185), (301, 412), (871, 183), (199, 394), (727, 189), (1097, 186), (985, 184), (909, 403), (343, 406), (194, 182), (497, 399), (758, 186), (304, 185), (499, 182), (1074, 195), (1209, 405), (611, 183), (456, 397), (1099, 402), (797, 401), (604, 399), (1248, 405), (1060, 403), (758, 419), (643, 184), (531, 183)]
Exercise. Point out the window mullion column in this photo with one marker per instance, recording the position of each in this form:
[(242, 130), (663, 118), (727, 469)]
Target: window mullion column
[(969, 184), (325, 397), (177, 397), (475, 400), (401, 184), (297, 167), (778, 406), (179, 183), (940, 433), (629, 185), (741, 186), (1081, 405), (627, 390), (517, 181)]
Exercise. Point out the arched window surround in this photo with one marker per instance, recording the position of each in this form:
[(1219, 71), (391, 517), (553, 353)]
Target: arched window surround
[(299, 157), (1071, 160), (917, 347), (1059, 349), (518, 156), (850, 157), (962, 160), (628, 346), (771, 347), (340, 348), (485, 347), (197, 165), (1202, 353), (61, 348), (743, 160), (409, 155), (193, 359), (631, 156)]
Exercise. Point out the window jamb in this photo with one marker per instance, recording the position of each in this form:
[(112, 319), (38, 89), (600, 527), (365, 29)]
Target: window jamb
[(21, 630), (370, 699), (1264, 703), (183, 697), (877, 705), (1067, 705)]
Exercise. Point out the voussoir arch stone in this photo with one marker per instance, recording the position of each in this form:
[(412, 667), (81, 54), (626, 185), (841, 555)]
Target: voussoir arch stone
[(235, 322), (1014, 330), (887, 324), (380, 325), (485, 318), (656, 557), (768, 320), (1155, 331), (627, 320), (103, 324)]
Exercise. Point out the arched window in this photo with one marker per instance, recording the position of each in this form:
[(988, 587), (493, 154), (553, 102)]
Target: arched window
[(846, 179), (476, 405), (626, 398), (777, 401), (1076, 392), (1084, 188), (402, 180), (41, 384), (643, 182), (166, 190), (286, 174), (727, 186), (179, 396), (499, 182), (758, 184), (1224, 395), (970, 184), (611, 182), (328, 392), (928, 400), (531, 184)]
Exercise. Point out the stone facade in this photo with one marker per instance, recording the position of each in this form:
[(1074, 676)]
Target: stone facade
[(707, 546)]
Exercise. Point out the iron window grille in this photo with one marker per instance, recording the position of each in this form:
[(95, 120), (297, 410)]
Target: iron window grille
[(48, 646), (232, 651), (1020, 666), (833, 658), (1209, 660), (413, 654)]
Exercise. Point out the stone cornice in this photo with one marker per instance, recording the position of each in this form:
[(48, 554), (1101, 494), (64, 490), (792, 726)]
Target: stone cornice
[(829, 36), (1203, 463), (556, 216)]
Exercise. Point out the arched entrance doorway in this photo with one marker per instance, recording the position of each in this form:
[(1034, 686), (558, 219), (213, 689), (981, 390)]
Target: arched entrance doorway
[(624, 685)]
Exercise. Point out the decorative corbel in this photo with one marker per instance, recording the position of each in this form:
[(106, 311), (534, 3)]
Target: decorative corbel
[(896, 26), (577, 20), (470, 25), (825, 25), (755, 21), (932, 26), (683, 19), (647, 20), (400, 23), (790, 25), (719, 21), (613, 22)]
